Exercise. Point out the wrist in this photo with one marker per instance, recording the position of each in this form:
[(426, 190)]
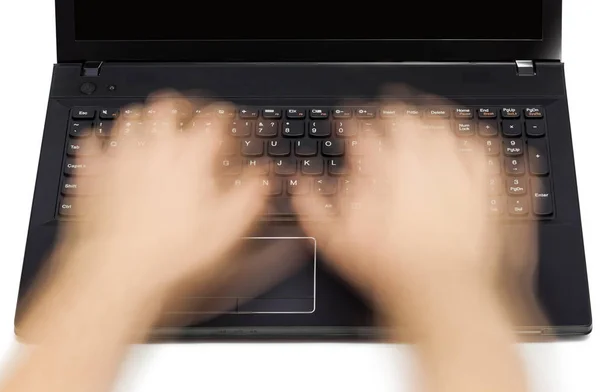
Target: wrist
[(444, 305), (77, 297)]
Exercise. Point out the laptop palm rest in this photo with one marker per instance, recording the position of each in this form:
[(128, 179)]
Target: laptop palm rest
[(270, 275)]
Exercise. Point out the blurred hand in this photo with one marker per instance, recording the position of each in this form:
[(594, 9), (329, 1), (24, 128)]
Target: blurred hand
[(158, 218), (415, 216)]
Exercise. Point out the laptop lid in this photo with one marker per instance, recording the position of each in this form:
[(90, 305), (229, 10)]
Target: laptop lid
[(180, 30)]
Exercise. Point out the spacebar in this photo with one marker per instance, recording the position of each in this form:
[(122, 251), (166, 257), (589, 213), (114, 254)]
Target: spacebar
[(280, 206)]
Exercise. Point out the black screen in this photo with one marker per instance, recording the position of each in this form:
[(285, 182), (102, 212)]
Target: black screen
[(220, 20)]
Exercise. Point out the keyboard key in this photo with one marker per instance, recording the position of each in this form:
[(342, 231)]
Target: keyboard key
[(463, 113), (80, 128), (294, 128), (271, 113), (514, 166), (365, 112), (279, 148), (336, 167), (312, 166), (247, 113), (261, 166), (413, 112), (467, 145), (267, 128), (272, 186), (76, 149), (104, 128), (541, 195), (306, 148), (285, 167), (132, 114), (344, 128), (241, 128), (78, 168), (537, 150), (71, 187), (318, 114), (326, 186), (295, 113), (230, 166), (109, 114), (487, 113), (535, 128), (369, 128), (510, 113), (333, 148), (496, 205), (516, 186), (83, 114), (298, 186), (512, 128), (533, 113), (518, 206), (220, 112), (488, 128), (278, 207), (491, 146), (388, 112), (319, 129), (68, 208), (495, 185), (438, 113), (252, 148), (354, 147), (464, 128), (341, 113), (513, 147)]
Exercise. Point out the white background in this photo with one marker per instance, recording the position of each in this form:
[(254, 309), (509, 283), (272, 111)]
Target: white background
[(27, 52)]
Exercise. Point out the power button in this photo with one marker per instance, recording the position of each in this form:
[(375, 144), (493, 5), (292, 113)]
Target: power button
[(87, 88)]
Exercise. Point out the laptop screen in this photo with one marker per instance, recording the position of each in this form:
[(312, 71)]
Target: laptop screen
[(137, 20)]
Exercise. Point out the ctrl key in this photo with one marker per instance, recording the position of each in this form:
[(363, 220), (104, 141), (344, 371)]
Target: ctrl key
[(541, 194), (68, 208)]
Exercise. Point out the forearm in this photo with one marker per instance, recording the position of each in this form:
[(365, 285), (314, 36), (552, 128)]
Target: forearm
[(464, 340), (80, 334)]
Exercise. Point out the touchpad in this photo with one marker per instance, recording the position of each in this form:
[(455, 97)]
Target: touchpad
[(282, 276), (268, 275)]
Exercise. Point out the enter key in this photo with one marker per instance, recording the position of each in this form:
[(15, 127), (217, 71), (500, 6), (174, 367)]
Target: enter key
[(541, 195)]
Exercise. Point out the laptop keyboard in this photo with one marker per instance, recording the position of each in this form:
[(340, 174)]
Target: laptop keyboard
[(304, 150)]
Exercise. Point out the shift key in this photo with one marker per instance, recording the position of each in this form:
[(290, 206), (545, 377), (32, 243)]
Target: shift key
[(541, 194)]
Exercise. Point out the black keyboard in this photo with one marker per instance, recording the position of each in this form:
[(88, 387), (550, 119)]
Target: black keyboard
[(309, 149)]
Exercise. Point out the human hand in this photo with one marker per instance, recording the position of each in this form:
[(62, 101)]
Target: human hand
[(415, 219), (158, 220)]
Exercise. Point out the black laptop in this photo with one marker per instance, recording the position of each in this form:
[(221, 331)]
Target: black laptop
[(292, 71)]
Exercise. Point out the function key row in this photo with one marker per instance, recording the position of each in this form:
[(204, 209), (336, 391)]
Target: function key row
[(82, 113)]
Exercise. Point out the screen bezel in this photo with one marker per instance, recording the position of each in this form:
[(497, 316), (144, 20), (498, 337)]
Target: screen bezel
[(71, 50)]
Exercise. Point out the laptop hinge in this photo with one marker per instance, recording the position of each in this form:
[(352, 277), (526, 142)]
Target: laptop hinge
[(525, 68), (91, 68)]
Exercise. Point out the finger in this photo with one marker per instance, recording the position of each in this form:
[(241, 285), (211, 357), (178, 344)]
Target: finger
[(317, 222), (240, 207)]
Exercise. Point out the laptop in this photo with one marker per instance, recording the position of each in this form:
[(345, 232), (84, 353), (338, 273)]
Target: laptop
[(292, 76)]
